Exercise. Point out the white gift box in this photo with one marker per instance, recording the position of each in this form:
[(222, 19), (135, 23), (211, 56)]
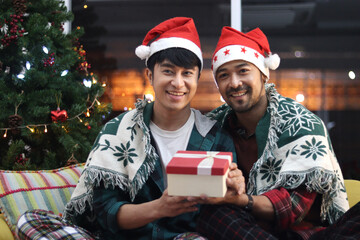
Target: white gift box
[(192, 173)]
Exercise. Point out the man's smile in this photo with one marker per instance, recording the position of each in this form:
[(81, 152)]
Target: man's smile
[(176, 93), (238, 94)]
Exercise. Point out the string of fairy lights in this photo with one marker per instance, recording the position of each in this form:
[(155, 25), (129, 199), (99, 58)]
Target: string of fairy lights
[(33, 127)]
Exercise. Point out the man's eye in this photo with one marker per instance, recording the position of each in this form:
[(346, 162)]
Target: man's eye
[(188, 73), (222, 76), (167, 71)]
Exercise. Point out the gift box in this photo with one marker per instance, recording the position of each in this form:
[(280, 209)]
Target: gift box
[(192, 173)]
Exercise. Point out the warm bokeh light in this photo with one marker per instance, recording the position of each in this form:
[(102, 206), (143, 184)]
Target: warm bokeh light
[(300, 97), (28, 65), (352, 75), (299, 54), (149, 97)]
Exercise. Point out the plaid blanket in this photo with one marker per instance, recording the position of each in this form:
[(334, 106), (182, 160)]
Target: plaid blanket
[(41, 224), (231, 222)]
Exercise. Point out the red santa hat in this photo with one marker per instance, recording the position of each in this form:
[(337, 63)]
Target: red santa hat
[(179, 32), (252, 47)]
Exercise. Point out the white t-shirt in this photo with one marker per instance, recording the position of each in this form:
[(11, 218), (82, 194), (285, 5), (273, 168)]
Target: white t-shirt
[(169, 142)]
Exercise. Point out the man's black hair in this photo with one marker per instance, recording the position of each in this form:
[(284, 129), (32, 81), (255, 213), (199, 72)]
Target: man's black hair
[(179, 56)]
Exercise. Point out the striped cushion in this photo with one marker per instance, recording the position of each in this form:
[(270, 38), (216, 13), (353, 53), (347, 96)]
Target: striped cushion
[(27, 190)]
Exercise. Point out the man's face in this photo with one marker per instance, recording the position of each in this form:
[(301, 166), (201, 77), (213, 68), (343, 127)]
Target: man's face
[(174, 86), (241, 85)]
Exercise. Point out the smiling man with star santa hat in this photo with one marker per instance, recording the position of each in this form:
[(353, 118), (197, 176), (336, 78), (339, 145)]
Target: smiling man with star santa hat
[(294, 183)]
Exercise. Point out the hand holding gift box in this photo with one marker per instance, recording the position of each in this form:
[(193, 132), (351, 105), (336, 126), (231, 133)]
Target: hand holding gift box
[(193, 173)]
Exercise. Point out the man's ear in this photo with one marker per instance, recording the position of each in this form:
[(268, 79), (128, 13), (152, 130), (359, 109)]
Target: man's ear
[(149, 74), (264, 78)]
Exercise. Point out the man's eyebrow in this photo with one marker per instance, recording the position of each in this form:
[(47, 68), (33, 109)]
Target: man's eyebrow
[(220, 70), (242, 65), (166, 64), (171, 65), (237, 66)]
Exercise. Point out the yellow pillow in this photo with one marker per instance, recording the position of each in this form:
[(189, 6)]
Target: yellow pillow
[(353, 191), (5, 230)]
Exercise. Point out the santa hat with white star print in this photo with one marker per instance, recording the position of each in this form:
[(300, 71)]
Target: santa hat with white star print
[(252, 47), (178, 32)]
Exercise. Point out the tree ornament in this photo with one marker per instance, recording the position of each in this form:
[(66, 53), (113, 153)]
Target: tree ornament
[(59, 115), (15, 121), (71, 161), (20, 6), (21, 159), (83, 65), (61, 27), (48, 62), (12, 30)]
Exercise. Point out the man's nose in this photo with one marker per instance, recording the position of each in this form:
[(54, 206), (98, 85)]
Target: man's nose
[(178, 81), (236, 81)]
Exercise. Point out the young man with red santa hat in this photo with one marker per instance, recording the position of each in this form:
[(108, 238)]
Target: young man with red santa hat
[(124, 182), (294, 183)]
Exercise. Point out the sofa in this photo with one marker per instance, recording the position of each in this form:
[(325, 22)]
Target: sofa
[(52, 189), (26, 190)]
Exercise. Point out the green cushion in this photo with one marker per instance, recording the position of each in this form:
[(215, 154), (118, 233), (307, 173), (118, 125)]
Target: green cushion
[(27, 190)]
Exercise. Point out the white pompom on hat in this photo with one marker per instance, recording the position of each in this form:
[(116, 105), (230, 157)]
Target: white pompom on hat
[(142, 51), (272, 61), (177, 32), (252, 47)]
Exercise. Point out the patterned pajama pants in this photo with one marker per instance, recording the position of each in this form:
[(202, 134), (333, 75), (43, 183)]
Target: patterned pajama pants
[(345, 228), (230, 222), (43, 225)]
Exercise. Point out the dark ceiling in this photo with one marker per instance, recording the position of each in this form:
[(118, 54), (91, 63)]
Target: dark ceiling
[(326, 33)]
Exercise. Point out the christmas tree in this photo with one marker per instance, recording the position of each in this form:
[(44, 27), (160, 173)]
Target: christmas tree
[(50, 109)]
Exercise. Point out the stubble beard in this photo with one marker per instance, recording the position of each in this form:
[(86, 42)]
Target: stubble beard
[(240, 106)]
